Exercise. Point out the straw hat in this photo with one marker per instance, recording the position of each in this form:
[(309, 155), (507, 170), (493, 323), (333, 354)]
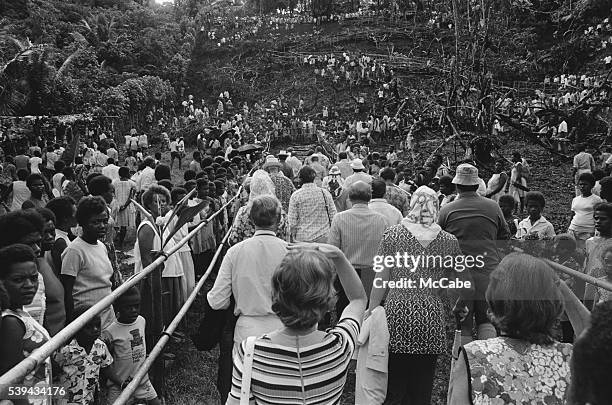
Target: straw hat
[(357, 164), (334, 171)]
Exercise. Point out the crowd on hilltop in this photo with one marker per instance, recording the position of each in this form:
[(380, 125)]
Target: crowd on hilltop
[(307, 274)]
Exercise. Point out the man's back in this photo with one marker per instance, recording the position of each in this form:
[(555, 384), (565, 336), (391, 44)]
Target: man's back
[(478, 224), (358, 232), (250, 264)]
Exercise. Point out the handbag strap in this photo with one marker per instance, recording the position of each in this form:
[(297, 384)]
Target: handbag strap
[(326, 209), (245, 391)]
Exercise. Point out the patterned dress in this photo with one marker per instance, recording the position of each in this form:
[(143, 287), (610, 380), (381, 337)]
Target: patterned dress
[(34, 337), (415, 316), (509, 371), (244, 228)]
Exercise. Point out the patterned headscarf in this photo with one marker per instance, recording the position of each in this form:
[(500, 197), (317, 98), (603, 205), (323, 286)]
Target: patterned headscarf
[(261, 184), (422, 219)]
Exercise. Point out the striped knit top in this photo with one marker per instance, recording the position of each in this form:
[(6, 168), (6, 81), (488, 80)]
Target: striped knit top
[(276, 375)]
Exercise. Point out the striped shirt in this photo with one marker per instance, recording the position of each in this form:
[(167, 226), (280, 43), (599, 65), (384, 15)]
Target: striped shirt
[(276, 373), (358, 232)]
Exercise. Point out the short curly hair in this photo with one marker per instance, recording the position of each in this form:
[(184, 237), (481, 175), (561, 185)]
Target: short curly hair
[(21, 223), (307, 174), (147, 197), (524, 298), (88, 207), (537, 197), (591, 361), (17, 253), (303, 289)]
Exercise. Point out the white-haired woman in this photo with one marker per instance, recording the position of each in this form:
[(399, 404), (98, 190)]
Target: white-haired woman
[(243, 228), (298, 363)]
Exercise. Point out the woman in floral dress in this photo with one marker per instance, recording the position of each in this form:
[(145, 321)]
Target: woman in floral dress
[(524, 365), (416, 317)]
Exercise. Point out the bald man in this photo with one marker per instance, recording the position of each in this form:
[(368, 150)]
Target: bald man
[(357, 232)]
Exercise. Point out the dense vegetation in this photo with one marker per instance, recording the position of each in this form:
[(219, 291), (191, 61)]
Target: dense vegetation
[(124, 57)]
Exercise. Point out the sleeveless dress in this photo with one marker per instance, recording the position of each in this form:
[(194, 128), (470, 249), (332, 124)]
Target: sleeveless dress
[(493, 184), (34, 337), (509, 371)]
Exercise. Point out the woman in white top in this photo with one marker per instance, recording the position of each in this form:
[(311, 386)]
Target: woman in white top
[(35, 161), (497, 182)]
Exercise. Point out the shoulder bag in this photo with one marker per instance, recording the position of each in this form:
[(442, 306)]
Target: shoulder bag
[(247, 370), (326, 209)]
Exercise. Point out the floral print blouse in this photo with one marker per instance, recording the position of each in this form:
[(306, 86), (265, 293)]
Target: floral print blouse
[(34, 337), (81, 370), (509, 371), (244, 228)]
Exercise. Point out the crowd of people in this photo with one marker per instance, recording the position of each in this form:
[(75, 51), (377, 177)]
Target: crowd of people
[(312, 274)]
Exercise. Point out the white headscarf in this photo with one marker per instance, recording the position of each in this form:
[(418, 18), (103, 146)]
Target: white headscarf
[(261, 184), (422, 219)]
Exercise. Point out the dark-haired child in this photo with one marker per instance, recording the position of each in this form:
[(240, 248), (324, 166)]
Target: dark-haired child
[(596, 245), (125, 339), (535, 226), (82, 360), (507, 203)]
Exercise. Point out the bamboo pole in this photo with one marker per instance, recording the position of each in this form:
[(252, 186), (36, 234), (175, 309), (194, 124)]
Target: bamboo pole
[(579, 275)]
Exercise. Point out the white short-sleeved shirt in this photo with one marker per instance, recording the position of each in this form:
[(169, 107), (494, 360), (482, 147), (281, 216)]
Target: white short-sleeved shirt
[(90, 266), (34, 163), (583, 208)]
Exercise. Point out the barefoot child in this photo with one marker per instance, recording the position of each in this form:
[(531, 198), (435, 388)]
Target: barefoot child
[(125, 339)]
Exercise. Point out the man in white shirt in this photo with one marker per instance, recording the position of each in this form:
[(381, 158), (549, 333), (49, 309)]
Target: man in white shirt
[(147, 176), (562, 130), (111, 170), (380, 205), (246, 273), (112, 152)]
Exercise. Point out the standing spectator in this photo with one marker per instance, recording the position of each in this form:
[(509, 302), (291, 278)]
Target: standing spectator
[(583, 163), (64, 209), (147, 176), (51, 157), (285, 167), (22, 162), (124, 212), (393, 194), (20, 190), (535, 226), (70, 186), (379, 203), (143, 142), (127, 344), (35, 162), (497, 182), (20, 334), (195, 163), (82, 360), (358, 174), (582, 225), (517, 186), (478, 224), (86, 269), (111, 170), (156, 200), (58, 179), (416, 317), (357, 232), (38, 197), (311, 210), (344, 165), (283, 186), (112, 152), (294, 162)]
